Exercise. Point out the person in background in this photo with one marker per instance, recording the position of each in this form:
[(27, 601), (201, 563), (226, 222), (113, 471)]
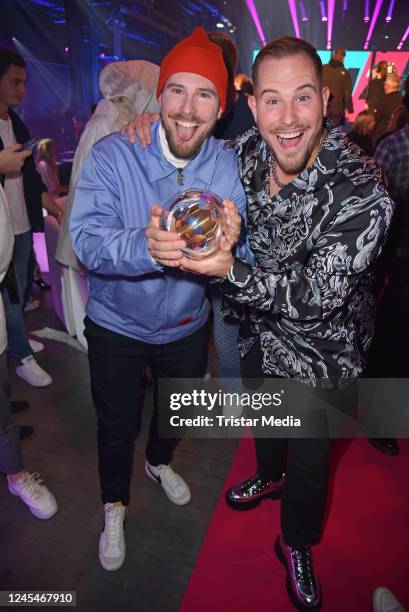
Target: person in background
[(128, 88), (376, 90), (242, 82), (26, 195), (400, 116), (338, 80), (390, 101), (361, 132), (238, 117), (28, 487), (47, 167)]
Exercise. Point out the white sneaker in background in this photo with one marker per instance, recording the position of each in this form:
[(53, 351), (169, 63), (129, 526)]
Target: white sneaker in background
[(172, 483), (35, 345), (35, 495), (112, 539), (32, 373), (385, 601), (31, 305)]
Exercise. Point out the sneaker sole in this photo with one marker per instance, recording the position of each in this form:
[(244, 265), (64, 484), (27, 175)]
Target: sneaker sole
[(297, 604), (36, 513), (249, 505), (110, 568), (47, 384), (179, 501)]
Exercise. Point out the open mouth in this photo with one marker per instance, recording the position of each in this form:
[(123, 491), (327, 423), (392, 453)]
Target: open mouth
[(289, 140), (185, 130)]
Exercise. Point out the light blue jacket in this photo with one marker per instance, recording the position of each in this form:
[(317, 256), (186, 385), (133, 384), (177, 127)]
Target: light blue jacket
[(118, 185)]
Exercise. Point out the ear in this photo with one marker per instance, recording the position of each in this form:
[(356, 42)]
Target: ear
[(325, 93), (219, 112), (251, 101)]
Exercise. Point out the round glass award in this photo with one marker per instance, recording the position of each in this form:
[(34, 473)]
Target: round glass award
[(196, 216)]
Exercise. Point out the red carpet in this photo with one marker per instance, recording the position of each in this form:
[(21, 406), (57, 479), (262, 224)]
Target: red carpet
[(365, 543)]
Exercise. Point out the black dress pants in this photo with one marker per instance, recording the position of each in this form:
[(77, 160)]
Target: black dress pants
[(116, 367), (305, 462)]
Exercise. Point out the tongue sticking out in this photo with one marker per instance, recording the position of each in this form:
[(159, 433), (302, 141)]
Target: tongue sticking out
[(185, 133)]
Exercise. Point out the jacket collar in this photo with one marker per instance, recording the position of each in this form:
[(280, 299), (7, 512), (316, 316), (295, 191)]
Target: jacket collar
[(201, 167)]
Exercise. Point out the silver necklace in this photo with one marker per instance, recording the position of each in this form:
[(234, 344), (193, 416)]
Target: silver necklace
[(273, 163), (273, 168)]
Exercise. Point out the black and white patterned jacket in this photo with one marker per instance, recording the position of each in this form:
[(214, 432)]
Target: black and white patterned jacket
[(310, 300)]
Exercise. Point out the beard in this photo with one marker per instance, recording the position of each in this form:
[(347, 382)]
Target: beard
[(190, 148), (293, 163)]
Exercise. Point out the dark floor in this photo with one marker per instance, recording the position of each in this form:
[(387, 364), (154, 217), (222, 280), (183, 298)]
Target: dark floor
[(163, 540)]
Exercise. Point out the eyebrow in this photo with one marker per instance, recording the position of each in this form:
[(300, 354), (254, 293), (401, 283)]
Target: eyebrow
[(204, 89), (299, 88)]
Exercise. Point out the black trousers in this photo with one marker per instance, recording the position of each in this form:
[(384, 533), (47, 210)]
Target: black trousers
[(116, 367), (305, 462)]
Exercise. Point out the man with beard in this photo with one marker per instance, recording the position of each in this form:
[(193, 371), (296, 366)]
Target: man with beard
[(318, 215), (143, 310)]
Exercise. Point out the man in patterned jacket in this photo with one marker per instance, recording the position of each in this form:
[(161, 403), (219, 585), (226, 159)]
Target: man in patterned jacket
[(318, 214)]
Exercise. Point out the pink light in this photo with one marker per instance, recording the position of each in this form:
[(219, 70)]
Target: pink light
[(254, 15), (377, 9), (406, 34), (330, 22), (293, 11)]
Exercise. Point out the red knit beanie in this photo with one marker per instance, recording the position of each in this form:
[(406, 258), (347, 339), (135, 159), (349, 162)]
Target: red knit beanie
[(199, 55)]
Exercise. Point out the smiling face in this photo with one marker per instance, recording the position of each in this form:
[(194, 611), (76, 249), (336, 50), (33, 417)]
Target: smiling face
[(189, 109), (289, 107)]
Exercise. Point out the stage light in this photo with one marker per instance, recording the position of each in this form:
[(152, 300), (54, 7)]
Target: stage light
[(293, 11), (366, 16), (66, 49), (323, 13), (375, 15), (330, 22), (219, 24), (404, 37), (254, 15), (390, 9), (304, 17)]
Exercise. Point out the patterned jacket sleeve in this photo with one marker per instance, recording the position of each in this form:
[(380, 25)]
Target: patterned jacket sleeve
[(344, 249)]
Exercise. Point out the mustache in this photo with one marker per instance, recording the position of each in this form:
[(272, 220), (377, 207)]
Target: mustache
[(182, 117), (293, 128)]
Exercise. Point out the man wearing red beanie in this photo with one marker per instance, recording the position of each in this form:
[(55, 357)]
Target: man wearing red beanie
[(143, 309)]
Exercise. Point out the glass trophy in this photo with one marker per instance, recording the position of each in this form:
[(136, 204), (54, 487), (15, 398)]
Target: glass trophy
[(196, 216)]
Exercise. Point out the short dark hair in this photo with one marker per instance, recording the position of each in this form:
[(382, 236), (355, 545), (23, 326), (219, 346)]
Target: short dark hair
[(10, 58), (287, 46), (230, 57)]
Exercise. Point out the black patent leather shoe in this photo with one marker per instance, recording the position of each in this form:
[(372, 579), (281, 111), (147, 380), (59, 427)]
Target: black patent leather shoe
[(303, 586), (389, 446), (25, 431), (251, 492), (40, 282)]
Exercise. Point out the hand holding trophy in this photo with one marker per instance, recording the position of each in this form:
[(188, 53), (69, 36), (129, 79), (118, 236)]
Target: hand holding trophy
[(197, 217)]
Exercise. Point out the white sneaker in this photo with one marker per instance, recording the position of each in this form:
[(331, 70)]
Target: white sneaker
[(32, 373), (112, 540), (36, 495), (385, 601), (36, 346), (174, 486)]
